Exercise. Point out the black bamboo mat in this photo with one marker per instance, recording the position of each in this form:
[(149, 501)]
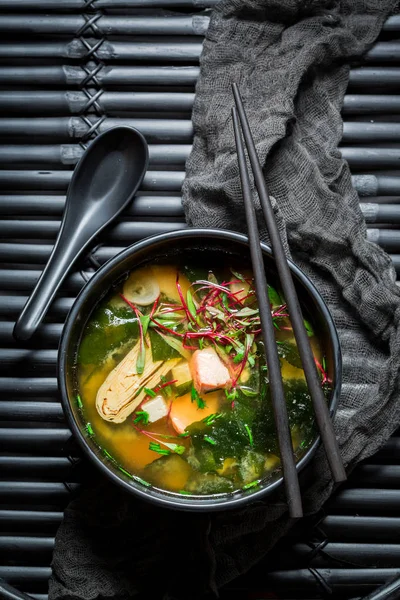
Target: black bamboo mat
[(70, 69)]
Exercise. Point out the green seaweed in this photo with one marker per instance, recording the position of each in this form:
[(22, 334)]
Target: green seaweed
[(109, 328)]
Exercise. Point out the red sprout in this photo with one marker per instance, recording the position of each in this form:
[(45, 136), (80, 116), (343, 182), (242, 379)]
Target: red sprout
[(153, 308), (164, 385), (167, 329), (325, 378)]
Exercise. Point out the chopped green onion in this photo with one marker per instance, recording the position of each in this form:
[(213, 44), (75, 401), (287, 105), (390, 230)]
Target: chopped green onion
[(142, 416), (185, 434), (210, 440), (79, 401), (89, 429), (185, 493), (252, 484), (211, 418), (125, 472), (157, 448), (324, 363), (108, 454), (142, 481), (149, 392)]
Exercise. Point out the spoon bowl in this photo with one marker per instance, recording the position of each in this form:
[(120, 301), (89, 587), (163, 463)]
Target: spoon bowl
[(104, 182)]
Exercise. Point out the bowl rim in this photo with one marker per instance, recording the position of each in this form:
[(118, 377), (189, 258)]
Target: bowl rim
[(186, 503)]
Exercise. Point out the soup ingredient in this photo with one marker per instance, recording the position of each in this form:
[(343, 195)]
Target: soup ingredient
[(208, 371), (141, 287), (179, 394), (168, 472), (184, 411), (122, 390), (156, 409), (183, 375)]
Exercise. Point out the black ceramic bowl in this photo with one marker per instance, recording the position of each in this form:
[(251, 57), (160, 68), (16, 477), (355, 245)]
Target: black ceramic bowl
[(215, 246)]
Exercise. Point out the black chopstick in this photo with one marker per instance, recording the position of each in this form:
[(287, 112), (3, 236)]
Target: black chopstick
[(310, 370), (268, 334)]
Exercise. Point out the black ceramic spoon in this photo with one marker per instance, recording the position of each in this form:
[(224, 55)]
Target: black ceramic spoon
[(104, 182)]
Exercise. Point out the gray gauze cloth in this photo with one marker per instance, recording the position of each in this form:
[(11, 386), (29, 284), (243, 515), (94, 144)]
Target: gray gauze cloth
[(290, 59)]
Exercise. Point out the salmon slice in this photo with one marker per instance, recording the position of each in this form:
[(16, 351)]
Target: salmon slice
[(208, 371)]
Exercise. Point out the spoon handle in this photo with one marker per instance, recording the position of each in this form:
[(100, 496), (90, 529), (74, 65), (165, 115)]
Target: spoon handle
[(69, 244)]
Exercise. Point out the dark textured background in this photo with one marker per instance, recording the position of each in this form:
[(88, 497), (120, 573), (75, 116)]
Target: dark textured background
[(40, 141)]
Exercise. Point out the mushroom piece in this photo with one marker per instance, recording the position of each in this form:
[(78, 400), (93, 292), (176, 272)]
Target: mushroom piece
[(141, 287), (122, 391)]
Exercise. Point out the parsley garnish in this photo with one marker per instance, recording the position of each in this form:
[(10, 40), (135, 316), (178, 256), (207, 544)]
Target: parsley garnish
[(194, 397)]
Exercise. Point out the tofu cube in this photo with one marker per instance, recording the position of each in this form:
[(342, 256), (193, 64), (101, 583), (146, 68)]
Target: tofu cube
[(208, 371), (156, 408)]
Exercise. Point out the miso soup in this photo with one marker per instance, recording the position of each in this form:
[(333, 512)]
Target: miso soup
[(173, 385)]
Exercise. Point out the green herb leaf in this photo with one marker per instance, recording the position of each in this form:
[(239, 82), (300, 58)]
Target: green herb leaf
[(238, 276), (194, 397), (141, 359), (251, 360), (176, 344), (309, 328), (231, 394), (167, 390), (141, 417), (246, 312), (145, 320), (274, 297), (190, 304), (238, 357), (250, 393)]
